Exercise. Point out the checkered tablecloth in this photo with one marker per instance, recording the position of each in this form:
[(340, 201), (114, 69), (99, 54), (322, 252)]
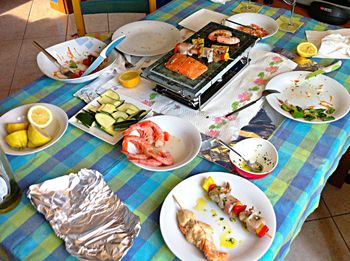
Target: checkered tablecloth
[(308, 154)]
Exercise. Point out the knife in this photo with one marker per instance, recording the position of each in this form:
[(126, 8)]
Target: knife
[(103, 55), (326, 69)]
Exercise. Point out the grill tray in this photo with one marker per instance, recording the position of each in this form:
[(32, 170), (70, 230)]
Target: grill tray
[(186, 87)]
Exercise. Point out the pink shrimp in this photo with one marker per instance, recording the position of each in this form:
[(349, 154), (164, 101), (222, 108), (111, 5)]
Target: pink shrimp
[(148, 130), (162, 156), (140, 144)]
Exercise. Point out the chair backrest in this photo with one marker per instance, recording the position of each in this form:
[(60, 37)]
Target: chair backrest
[(109, 6), (114, 6)]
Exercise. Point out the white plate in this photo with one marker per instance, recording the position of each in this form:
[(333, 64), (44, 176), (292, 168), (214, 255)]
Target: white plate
[(98, 133), (80, 48), (147, 38), (268, 23), (309, 92), (19, 114), (201, 18), (189, 191), (184, 143)]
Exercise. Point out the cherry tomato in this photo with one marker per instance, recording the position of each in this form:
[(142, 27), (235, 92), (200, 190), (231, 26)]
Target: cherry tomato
[(261, 231), (211, 187), (86, 62), (238, 208), (74, 75)]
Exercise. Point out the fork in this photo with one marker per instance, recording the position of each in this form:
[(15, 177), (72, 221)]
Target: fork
[(263, 94), (127, 64)]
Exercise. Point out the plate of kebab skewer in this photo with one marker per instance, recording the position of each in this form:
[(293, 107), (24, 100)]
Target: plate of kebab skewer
[(217, 216)]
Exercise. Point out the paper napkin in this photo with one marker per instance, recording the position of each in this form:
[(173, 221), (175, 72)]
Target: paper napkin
[(331, 44)]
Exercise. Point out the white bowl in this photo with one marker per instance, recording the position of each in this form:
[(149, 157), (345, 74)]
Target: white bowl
[(255, 149), (19, 114), (268, 23), (80, 48), (184, 143)]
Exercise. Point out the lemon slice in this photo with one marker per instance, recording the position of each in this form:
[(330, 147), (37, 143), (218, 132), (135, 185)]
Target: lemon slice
[(37, 137), (306, 49), (17, 139), (12, 127), (39, 116)]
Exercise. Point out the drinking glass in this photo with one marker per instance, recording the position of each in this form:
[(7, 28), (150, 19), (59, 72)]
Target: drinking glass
[(290, 25), (10, 193)]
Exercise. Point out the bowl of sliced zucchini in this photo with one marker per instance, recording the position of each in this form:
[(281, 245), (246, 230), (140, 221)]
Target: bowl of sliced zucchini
[(108, 115)]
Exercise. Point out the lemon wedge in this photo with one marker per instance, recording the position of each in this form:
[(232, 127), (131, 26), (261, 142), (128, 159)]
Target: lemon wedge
[(306, 49), (31, 145), (39, 116), (12, 127), (17, 139), (37, 137)]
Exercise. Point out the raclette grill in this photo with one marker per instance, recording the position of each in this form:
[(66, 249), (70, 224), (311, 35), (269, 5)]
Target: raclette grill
[(196, 93)]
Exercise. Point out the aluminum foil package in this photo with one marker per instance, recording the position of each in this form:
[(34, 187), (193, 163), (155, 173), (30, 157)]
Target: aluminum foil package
[(84, 212)]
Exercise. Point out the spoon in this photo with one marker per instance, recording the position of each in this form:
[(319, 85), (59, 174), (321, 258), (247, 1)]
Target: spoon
[(103, 55), (63, 69), (254, 166), (263, 94)]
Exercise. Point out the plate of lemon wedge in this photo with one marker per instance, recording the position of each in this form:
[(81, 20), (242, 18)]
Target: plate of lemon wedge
[(31, 128)]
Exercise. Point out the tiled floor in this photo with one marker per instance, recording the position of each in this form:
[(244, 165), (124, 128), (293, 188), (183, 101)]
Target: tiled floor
[(325, 235), (22, 21)]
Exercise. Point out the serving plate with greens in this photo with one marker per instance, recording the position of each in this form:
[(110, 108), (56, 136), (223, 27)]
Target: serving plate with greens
[(319, 99), (108, 115)]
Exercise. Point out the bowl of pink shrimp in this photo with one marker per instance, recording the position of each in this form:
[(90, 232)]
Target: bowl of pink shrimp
[(161, 143)]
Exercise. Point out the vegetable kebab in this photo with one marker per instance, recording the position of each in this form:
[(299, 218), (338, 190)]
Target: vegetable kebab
[(252, 220), (215, 53)]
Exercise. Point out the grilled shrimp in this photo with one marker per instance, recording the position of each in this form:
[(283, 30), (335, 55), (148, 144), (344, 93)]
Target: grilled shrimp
[(200, 234), (213, 36), (228, 40)]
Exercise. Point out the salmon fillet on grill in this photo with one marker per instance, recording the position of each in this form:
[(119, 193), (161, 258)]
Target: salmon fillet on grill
[(185, 65)]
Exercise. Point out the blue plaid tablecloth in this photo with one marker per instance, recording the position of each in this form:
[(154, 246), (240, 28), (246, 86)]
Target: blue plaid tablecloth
[(308, 154)]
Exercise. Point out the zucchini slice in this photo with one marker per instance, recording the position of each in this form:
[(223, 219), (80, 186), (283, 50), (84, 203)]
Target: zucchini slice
[(104, 120), (93, 108), (110, 131), (120, 119), (127, 106), (118, 103), (138, 115), (124, 124), (105, 99), (111, 94), (86, 118), (120, 114), (109, 108)]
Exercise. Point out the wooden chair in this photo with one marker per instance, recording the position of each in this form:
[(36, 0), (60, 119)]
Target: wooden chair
[(108, 6)]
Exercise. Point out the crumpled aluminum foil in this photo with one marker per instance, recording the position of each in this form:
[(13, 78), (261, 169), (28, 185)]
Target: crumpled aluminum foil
[(85, 213)]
